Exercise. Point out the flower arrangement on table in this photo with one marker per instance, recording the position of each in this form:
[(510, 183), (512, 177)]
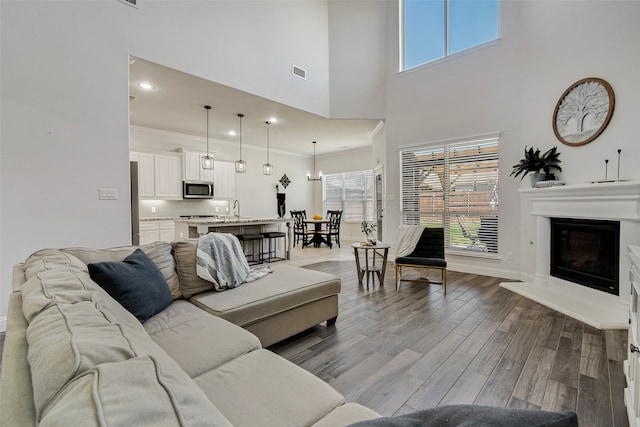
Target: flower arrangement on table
[(368, 228)]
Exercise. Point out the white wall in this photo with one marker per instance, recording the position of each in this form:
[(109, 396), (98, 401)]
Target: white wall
[(357, 53), (64, 106), (512, 87)]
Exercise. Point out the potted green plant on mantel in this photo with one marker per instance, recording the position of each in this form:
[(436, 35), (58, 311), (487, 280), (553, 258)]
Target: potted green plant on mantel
[(368, 228), (534, 163)]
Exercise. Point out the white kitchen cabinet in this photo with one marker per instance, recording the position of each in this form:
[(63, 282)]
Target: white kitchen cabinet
[(157, 230), (159, 175), (146, 175), (168, 171), (632, 364), (224, 182), (192, 166), (149, 232), (167, 231)]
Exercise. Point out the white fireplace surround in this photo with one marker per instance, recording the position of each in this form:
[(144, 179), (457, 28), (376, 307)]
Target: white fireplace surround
[(613, 201)]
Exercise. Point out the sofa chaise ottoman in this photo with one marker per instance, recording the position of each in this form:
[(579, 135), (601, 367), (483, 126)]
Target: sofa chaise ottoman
[(279, 305), (73, 355)]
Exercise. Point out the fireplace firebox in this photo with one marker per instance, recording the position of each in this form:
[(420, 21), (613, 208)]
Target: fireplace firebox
[(586, 252)]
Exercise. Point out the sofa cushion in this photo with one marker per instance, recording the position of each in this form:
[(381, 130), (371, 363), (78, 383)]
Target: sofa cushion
[(285, 288), (135, 282), (16, 393), (55, 287), (185, 255), (161, 253), (66, 340), (475, 416), (135, 392), (196, 340), (263, 389), (51, 260)]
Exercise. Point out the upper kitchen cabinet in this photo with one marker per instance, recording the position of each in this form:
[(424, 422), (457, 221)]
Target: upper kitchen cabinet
[(146, 175), (159, 176), (167, 173), (192, 167), (224, 180)]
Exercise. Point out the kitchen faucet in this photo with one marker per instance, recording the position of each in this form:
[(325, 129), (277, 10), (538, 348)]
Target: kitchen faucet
[(236, 208)]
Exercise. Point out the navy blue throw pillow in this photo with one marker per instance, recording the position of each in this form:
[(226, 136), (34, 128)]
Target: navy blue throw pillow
[(136, 283)]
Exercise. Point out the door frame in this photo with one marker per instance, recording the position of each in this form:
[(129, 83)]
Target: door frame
[(379, 205)]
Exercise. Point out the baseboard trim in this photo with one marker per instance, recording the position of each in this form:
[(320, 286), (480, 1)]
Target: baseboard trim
[(484, 271)]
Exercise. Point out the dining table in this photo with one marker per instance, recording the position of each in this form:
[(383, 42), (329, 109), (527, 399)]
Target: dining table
[(317, 238)]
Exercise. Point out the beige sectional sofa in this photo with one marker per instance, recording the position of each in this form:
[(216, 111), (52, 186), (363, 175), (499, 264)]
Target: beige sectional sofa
[(75, 356)]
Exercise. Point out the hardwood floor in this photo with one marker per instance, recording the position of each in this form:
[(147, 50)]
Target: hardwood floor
[(416, 349)]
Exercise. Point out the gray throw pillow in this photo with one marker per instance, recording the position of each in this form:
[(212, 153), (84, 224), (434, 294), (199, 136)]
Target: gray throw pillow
[(136, 283)]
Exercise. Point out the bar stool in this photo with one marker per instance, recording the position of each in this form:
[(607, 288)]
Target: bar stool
[(251, 239), (270, 235)]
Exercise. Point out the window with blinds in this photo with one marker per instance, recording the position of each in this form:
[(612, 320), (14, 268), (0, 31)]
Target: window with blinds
[(350, 192), (454, 186)]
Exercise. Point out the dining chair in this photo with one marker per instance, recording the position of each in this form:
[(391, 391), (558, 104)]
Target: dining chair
[(333, 226), (428, 253), (300, 228)]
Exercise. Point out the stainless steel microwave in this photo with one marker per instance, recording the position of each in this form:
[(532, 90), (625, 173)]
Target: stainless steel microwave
[(197, 190)]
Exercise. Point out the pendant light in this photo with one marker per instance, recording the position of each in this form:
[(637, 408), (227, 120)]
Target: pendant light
[(207, 161), (314, 177), (241, 165), (267, 168)]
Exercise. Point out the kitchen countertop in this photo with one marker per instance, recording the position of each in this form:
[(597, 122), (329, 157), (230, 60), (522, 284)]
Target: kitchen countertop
[(217, 220), (159, 218)]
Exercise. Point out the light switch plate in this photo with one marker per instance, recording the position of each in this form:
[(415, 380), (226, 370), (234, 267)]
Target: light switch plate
[(108, 193)]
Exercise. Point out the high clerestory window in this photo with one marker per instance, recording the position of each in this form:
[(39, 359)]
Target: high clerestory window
[(433, 29), (454, 186)]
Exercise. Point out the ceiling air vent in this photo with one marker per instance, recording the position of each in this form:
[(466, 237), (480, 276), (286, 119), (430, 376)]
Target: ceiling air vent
[(299, 72), (133, 3)]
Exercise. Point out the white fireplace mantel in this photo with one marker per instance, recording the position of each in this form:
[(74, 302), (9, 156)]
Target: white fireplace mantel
[(614, 201)]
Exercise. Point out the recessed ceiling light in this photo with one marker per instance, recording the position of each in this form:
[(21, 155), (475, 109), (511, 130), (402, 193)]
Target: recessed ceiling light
[(273, 120), (232, 133), (146, 86)]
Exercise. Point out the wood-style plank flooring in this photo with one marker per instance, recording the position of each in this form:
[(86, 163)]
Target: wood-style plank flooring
[(482, 344)]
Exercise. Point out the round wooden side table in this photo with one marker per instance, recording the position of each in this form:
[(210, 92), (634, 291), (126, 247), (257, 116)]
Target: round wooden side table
[(370, 267)]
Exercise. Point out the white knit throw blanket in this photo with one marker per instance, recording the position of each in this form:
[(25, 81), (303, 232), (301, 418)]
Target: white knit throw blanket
[(408, 236), (221, 261)]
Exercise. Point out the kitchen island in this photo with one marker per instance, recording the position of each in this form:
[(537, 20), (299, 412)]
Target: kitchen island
[(196, 227)]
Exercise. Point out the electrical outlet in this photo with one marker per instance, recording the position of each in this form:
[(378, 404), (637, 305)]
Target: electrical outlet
[(217, 209), (108, 194), (508, 256), (153, 209)]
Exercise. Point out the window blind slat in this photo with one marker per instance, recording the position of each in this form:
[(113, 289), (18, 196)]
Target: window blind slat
[(454, 186)]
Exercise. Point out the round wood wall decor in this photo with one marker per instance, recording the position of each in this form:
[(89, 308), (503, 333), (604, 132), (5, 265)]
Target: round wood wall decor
[(583, 111)]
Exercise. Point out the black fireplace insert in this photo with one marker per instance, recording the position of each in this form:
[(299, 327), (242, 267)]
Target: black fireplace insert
[(586, 252)]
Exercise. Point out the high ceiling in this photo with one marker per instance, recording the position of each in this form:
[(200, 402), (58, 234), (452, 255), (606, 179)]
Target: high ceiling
[(176, 104)]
